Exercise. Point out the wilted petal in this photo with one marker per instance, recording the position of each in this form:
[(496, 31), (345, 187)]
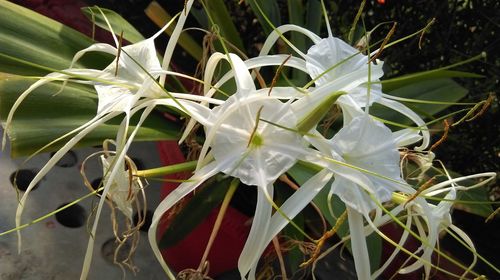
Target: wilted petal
[(123, 189)]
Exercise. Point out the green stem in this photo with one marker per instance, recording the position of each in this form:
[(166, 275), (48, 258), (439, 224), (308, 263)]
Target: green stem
[(167, 170), (51, 213)]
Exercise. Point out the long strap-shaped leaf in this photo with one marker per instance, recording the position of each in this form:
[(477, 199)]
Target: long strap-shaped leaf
[(58, 115), (39, 40)]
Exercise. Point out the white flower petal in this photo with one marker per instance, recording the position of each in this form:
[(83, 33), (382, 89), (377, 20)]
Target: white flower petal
[(278, 32), (333, 52), (406, 137), (358, 244), (235, 130), (175, 196), (411, 115), (256, 238), (292, 206)]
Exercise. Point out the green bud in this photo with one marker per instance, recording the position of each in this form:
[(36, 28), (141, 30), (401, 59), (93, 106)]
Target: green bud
[(316, 114)]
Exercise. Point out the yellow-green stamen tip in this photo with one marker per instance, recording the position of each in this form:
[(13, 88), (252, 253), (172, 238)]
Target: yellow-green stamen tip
[(256, 140), (399, 198)]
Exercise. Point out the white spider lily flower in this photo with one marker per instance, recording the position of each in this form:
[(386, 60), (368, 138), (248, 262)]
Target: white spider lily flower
[(249, 139), (114, 96), (437, 218), (121, 88), (364, 159), (138, 65), (252, 136), (331, 58)]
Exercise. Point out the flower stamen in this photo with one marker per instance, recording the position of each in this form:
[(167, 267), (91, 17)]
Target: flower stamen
[(255, 138)]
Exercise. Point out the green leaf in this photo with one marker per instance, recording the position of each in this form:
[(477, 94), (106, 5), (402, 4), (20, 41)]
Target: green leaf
[(194, 212), (221, 17), (374, 244), (406, 80), (117, 22), (313, 18), (475, 195), (43, 116), (296, 16), (270, 9), (440, 90), (39, 40)]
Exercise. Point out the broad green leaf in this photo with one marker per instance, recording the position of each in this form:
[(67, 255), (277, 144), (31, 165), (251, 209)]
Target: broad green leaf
[(374, 244), (296, 11), (406, 80), (220, 15), (440, 90), (475, 195), (296, 16), (39, 40), (313, 18), (43, 116), (270, 9), (117, 22), (194, 212)]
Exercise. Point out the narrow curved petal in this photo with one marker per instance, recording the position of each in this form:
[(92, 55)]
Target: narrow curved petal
[(402, 241), (256, 239), (45, 80), (87, 128), (278, 32), (406, 137), (244, 80), (98, 47), (174, 37), (411, 115), (175, 196), (358, 244), (294, 204)]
